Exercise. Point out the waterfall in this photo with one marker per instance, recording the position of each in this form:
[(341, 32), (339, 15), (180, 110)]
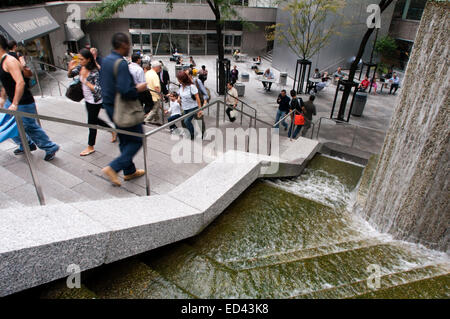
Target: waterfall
[(409, 194)]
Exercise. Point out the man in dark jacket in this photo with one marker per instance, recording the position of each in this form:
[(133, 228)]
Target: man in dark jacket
[(164, 78), (124, 84), (310, 110)]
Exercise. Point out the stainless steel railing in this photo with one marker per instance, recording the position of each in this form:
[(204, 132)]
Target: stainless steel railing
[(354, 127), (33, 170)]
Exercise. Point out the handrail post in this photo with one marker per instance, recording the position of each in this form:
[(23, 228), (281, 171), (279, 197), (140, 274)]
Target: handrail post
[(147, 179), (37, 78), (242, 110), (318, 129), (217, 113), (26, 148), (354, 136)]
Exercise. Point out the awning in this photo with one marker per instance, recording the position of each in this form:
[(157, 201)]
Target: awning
[(73, 33), (22, 25)]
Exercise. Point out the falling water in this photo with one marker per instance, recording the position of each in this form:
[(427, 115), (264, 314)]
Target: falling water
[(409, 196)]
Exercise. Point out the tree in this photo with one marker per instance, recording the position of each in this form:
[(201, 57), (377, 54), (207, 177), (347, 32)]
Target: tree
[(222, 9), (386, 46), (308, 31), (384, 4)]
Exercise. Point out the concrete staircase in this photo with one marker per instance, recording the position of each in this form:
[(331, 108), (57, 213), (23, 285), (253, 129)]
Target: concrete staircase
[(72, 178), (268, 57)]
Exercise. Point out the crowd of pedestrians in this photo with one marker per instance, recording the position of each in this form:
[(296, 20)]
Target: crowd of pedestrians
[(105, 80)]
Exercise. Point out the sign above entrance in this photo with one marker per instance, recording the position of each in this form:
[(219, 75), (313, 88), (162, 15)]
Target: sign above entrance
[(22, 25)]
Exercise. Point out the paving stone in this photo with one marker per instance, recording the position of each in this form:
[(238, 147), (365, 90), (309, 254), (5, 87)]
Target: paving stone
[(39, 243), (9, 180), (216, 186), (141, 224)]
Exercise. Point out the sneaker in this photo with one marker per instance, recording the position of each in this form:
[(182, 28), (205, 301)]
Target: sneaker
[(18, 151), (138, 173), (50, 156)]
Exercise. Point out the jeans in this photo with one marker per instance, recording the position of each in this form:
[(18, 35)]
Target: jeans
[(297, 130), (280, 115), (93, 110), (35, 133), (173, 118), (188, 121), (393, 87), (128, 145), (267, 84), (306, 127)]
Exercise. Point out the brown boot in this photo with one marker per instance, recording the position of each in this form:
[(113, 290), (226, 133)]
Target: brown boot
[(112, 175), (138, 173)]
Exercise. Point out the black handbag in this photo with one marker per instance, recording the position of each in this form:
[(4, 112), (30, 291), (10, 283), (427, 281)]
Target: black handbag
[(75, 91)]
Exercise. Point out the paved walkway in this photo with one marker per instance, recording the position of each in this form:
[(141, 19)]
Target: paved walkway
[(71, 178)]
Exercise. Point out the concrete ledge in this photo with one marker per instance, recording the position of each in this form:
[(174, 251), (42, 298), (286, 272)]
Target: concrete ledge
[(37, 244), (142, 224)]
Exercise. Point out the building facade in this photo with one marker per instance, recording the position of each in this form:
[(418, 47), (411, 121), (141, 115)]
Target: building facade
[(189, 27), (404, 26), (342, 48)]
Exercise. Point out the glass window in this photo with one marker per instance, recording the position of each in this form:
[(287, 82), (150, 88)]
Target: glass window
[(135, 39), (161, 43), (211, 44), (236, 2), (416, 9), (233, 25), (197, 25), (180, 41), (237, 40), (228, 40), (197, 44), (211, 25), (399, 8), (146, 39), (179, 24), (160, 24), (139, 24)]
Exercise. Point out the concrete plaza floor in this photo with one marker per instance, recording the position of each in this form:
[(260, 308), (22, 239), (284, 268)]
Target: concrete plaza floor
[(366, 132)]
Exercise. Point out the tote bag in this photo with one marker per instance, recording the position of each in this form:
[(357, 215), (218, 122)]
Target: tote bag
[(127, 113)]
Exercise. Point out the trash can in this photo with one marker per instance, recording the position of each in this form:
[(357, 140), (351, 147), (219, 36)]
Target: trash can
[(359, 104), (283, 78), (245, 77), (240, 88)]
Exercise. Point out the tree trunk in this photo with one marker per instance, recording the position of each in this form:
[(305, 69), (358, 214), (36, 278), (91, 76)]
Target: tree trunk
[(384, 4), (220, 48)]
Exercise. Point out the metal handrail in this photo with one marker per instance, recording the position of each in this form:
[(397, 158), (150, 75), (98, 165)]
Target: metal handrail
[(156, 130), (355, 126)]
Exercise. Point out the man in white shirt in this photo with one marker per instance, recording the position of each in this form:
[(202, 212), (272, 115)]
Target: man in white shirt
[(137, 72), (231, 100)]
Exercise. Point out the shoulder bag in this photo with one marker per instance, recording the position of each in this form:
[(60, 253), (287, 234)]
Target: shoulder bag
[(127, 113)]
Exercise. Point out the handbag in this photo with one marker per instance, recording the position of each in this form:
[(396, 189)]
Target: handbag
[(299, 119), (233, 113), (127, 113), (75, 91)]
